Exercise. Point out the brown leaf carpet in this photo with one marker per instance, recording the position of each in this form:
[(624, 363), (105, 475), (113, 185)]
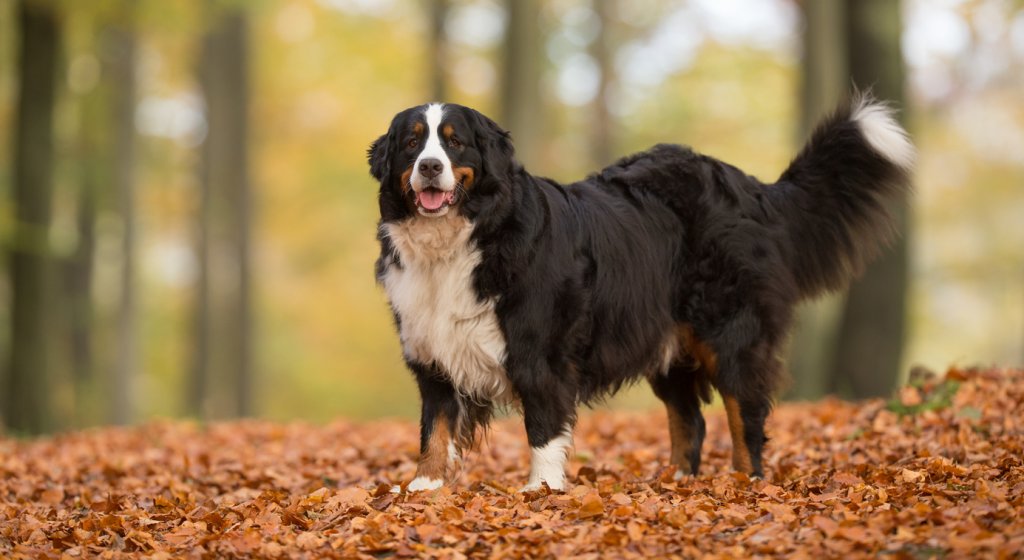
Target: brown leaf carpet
[(937, 472)]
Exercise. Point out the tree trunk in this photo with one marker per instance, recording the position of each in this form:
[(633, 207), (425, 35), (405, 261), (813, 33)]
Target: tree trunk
[(222, 374), (122, 67), (79, 267), (521, 105), (197, 387), (438, 50), (602, 141), (872, 328), (242, 196), (825, 83), (27, 406), (825, 67), (106, 136)]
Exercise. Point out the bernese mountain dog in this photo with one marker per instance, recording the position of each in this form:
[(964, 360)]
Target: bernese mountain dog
[(668, 265)]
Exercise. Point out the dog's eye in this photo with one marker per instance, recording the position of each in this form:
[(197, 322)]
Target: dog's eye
[(413, 142), (454, 142)]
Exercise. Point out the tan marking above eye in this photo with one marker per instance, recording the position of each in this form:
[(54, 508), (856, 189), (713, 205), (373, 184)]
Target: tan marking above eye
[(417, 128), (448, 131)]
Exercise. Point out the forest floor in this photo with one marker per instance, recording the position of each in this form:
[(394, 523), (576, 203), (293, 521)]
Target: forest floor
[(936, 472)]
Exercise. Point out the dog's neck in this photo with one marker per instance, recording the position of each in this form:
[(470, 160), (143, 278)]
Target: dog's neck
[(422, 239)]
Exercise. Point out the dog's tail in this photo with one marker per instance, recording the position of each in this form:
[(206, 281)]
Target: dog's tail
[(833, 198)]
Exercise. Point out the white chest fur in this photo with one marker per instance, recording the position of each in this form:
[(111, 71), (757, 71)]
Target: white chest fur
[(442, 320)]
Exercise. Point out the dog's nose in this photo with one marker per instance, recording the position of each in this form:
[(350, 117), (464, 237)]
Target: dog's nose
[(431, 167)]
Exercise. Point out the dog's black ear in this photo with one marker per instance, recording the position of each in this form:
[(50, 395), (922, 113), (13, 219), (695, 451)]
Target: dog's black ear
[(496, 145), (379, 156)]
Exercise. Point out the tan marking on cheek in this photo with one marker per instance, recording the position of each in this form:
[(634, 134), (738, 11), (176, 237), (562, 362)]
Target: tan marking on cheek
[(406, 178), (464, 176), (433, 462), (682, 437), (740, 453)]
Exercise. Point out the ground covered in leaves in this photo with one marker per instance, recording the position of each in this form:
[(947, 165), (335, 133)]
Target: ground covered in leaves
[(935, 472)]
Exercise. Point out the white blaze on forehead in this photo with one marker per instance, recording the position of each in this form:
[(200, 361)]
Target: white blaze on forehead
[(433, 148)]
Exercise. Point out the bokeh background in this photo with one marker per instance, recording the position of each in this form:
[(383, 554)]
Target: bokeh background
[(189, 226)]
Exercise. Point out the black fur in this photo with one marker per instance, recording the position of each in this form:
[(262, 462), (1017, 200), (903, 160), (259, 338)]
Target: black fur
[(592, 277)]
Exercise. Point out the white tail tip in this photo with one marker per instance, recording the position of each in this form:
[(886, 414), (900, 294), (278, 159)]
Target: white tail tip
[(883, 133)]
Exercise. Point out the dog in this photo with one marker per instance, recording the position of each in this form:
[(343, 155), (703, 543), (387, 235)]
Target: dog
[(668, 265)]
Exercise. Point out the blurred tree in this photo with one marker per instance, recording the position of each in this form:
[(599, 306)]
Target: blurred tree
[(871, 332), (438, 48), (824, 82), (197, 386), (601, 140), (825, 78), (521, 100), (27, 403), (79, 266), (221, 384), (122, 44), (106, 138)]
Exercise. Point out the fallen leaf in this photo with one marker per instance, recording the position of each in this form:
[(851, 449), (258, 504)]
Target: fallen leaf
[(52, 496), (591, 506), (621, 499), (827, 526), (911, 476)]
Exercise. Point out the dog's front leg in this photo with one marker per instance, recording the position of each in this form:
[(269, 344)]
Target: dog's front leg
[(549, 409), (440, 453)]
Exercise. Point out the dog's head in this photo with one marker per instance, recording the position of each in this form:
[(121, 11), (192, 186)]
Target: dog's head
[(434, 158)]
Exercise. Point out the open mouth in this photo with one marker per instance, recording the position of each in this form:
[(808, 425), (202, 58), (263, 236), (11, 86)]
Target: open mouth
[(432, 201)]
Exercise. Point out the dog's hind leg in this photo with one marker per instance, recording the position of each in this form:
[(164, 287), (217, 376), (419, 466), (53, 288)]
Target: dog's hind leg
[(681, 388), (746, 426), (748, 370), (747, 387)]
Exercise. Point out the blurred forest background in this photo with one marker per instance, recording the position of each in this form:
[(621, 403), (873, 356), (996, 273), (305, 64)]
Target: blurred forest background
[(188, 224)]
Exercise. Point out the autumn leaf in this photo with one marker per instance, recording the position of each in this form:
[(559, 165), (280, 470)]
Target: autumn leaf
[(53, 496), (621, 499), (826, 525), (676, 517), (911, 476), (591, 505), (847, 479)]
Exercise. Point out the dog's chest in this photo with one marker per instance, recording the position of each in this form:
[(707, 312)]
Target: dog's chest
[(442, 321)]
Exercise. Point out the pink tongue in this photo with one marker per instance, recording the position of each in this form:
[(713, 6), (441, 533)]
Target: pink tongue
[(432, 199)]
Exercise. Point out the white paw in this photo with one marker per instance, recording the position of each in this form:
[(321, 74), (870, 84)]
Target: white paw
[(531, 487), (556, 484), (547, 463), (682, 475), (423, 483)]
